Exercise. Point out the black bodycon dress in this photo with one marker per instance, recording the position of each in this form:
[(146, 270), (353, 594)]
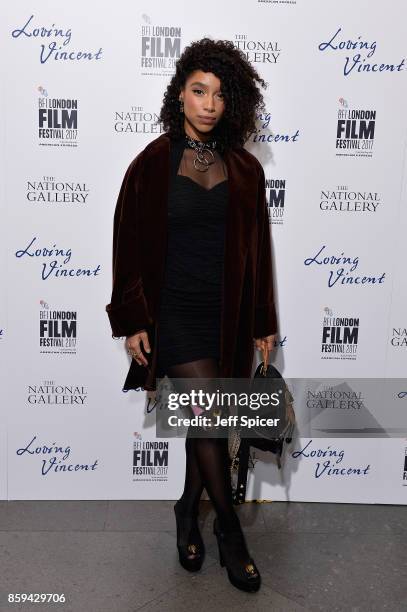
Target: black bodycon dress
[(191, 295)]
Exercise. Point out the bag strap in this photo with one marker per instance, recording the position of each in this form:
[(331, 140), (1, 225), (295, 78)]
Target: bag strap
[(290, 414), (239, 495), (265, 352)]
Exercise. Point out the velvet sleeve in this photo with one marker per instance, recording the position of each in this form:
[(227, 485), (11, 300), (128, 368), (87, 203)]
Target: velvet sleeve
[(265, 320), (128, 309)]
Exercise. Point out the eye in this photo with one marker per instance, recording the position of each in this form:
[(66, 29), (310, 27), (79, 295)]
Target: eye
[(195, 90)]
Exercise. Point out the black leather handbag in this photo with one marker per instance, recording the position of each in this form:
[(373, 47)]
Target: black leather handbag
[(268, 379)]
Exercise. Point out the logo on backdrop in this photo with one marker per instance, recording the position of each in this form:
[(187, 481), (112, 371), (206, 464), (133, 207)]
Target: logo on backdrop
[(57, 121), (340, 336), (343, 199), (58, 330), (137, 121), (160, 48), (50, 190), (54, 261), (329, 462), (405, 468), (263, 133), (341, 269), (258, 51), (150, 459), (1, 333), (358, 53), (54, 42), (331, 398), (399, 337), (355, 130), (54, 459), (289, 3), (275, 198), (48, 392)]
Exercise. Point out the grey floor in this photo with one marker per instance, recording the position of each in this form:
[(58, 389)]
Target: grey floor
[(120, 556)]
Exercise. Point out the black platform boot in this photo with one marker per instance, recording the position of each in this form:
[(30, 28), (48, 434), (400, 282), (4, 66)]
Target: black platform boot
[(244, 576), (189, 540)]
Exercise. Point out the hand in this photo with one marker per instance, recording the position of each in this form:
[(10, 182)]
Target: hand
[(134, 349), (265, 342)]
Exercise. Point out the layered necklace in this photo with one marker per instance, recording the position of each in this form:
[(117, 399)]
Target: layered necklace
[(204, 152)]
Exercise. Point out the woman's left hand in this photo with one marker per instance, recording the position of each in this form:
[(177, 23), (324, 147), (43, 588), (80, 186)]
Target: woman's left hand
[(266, 342)]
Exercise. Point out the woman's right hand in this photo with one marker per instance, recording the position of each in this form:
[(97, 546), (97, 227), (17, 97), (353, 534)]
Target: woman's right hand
[(133, 344)]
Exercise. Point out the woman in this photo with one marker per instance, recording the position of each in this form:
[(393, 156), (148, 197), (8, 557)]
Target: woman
[(192, 276)]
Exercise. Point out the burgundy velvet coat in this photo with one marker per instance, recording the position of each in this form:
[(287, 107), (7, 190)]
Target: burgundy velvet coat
[(139, 250)]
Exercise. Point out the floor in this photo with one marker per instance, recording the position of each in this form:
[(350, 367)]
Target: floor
[(120, 556)]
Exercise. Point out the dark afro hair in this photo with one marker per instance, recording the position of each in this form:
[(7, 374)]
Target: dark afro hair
[(243, 99)]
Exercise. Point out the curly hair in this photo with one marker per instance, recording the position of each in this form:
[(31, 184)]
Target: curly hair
[(238, 78)]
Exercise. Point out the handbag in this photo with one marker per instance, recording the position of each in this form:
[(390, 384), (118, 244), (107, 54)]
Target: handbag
[(268, 379)]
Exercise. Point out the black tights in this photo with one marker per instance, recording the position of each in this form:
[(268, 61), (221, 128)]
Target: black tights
[(207, 459)]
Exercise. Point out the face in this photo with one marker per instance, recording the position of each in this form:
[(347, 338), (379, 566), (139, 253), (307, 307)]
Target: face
[(203, 104)]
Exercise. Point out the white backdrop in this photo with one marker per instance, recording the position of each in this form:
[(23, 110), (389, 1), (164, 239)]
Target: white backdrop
[(67, 431)]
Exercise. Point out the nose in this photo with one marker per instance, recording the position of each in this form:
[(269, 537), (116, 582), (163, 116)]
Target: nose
[(210, 105)]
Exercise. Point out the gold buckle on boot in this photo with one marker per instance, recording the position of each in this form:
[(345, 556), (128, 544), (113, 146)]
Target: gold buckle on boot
[(250, 569)]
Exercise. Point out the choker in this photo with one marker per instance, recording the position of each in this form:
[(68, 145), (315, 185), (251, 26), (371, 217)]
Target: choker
[(204, 155)]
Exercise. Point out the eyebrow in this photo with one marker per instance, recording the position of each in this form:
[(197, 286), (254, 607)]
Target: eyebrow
[(199, 83)]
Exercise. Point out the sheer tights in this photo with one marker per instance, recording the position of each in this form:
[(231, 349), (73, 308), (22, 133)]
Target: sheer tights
[(207, 459)]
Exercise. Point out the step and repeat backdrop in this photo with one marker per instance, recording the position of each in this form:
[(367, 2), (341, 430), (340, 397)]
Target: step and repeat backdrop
[(82, 85)]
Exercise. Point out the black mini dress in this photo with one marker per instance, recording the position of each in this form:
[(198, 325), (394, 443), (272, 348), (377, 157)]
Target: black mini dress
[(191, 296)]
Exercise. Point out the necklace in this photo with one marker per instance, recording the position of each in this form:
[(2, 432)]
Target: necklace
[(204, 154)]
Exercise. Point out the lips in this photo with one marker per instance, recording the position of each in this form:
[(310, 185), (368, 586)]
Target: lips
[(207, 119)]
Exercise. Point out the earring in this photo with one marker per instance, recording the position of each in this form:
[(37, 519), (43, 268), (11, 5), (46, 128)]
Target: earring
[(181, 106)]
